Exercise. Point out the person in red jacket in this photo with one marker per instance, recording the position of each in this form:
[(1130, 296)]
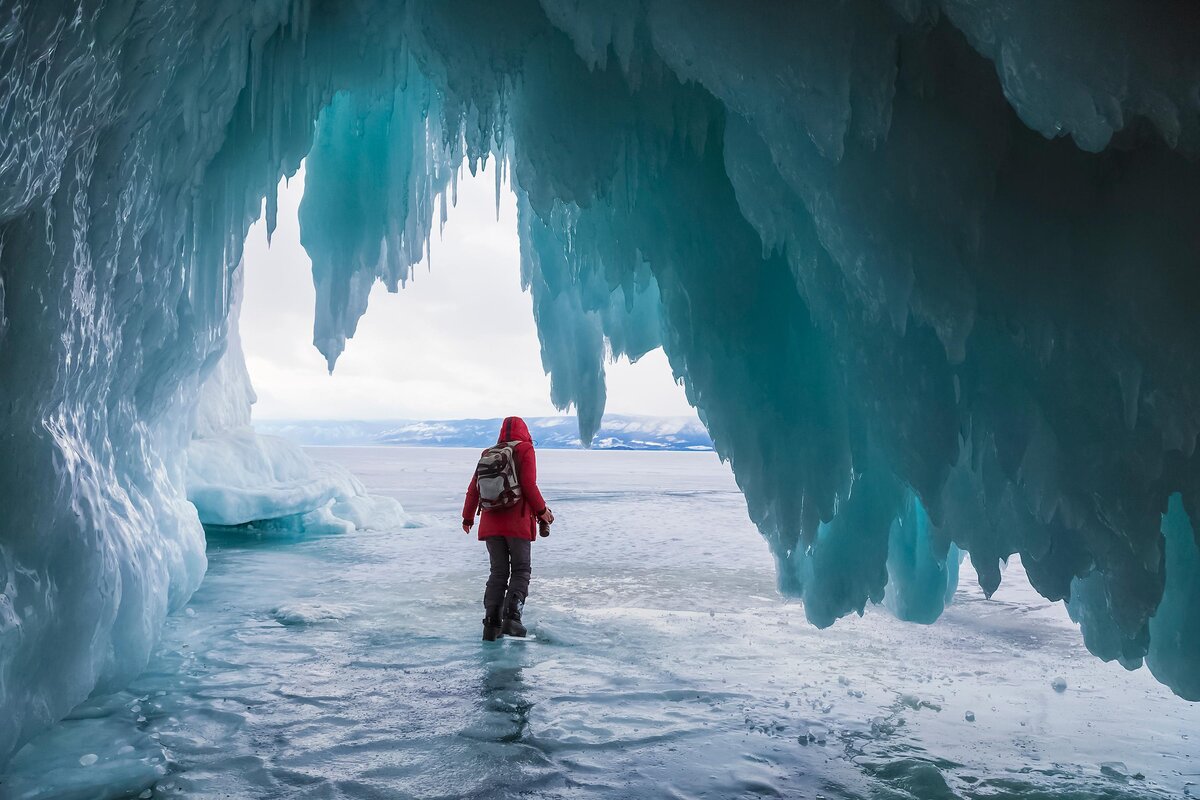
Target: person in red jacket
[(509, 534)]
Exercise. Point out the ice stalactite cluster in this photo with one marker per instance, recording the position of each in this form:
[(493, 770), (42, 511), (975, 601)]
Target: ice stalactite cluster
[(927, 268), (911, 320), (378, 165)]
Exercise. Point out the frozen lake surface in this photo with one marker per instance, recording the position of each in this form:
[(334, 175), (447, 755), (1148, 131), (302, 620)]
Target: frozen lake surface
[(664, 664)]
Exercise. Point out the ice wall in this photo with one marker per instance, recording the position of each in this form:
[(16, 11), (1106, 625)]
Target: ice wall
[(927, 268), (137, 144), (114, 219)]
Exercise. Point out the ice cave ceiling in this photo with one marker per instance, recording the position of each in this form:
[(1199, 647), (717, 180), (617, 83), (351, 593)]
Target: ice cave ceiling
[(927, 268)]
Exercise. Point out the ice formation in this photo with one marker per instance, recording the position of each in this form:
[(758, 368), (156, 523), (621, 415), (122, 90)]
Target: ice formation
[(236, 477), (927, 268)]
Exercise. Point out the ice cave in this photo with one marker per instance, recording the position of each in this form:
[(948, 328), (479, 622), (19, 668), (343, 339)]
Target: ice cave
[(927, 269)]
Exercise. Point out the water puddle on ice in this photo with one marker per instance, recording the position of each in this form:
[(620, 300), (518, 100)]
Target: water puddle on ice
[(663, 665)]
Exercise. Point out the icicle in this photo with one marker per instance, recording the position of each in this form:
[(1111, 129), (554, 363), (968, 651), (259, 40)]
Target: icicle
[(499, 170)]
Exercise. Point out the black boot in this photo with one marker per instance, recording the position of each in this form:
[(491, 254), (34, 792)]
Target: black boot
[(493, 625), (512, 616)]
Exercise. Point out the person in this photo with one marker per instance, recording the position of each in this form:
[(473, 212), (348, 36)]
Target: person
[(509, 534)]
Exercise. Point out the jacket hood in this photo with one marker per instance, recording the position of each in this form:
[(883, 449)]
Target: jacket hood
[(514, 429)]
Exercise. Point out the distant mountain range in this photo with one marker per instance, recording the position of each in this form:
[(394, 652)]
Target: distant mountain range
[(617, 432)]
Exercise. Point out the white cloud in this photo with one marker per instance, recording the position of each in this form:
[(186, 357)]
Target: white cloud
[(431, 351)]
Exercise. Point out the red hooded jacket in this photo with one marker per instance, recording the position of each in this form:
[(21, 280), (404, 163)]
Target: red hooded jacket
[(520, 521)]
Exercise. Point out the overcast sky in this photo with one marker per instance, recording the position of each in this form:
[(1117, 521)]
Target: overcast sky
[(427, 352)]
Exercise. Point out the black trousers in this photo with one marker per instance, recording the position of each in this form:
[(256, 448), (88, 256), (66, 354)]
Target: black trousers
[(510, 569)]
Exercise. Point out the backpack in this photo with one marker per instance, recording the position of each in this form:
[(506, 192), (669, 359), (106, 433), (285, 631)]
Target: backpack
[(496, 477)]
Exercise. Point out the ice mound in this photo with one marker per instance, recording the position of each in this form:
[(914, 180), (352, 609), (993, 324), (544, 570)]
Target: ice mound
[(927, 269), (236, 477), (310, 613), (242, 478)]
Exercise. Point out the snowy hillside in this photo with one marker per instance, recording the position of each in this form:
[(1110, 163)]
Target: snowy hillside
[(617, 432)]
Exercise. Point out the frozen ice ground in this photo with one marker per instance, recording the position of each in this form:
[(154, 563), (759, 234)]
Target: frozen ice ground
[(664, 665)]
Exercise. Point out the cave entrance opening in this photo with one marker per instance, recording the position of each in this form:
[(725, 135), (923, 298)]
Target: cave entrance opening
[(458, 341)]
